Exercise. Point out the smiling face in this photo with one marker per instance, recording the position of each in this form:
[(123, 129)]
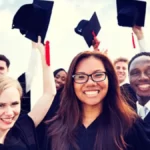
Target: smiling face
[(139, 76), (121, 70), (9, 108), (60, 79), (91, 93)]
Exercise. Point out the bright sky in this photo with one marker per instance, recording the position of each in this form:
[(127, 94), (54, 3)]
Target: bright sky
[(65, 43)]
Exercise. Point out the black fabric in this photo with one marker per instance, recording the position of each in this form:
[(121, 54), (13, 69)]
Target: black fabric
[(85, 29), (147, 118), (22, 136), (33, 19), (131, 12), (137, 137), (26, 98), (42, 127)]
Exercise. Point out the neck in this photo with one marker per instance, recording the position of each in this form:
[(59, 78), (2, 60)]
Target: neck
[(2, 136), (143, 100), (121, 82), (90, 113)]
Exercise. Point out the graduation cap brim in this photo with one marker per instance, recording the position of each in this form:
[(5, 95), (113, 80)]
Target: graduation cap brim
[(130, 13), (93, 26), (33, 19)]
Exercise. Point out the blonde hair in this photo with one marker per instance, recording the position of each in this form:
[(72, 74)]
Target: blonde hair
[(6, 82), (121, 59)]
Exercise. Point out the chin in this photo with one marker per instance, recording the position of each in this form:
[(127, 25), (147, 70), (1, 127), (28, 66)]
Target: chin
[(92, 103)]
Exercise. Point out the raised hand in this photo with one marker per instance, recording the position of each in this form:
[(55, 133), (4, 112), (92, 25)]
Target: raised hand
[(138, 32)]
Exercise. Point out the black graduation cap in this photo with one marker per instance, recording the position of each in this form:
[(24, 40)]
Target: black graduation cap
[(88, 29), (131, 12), (33, 19)]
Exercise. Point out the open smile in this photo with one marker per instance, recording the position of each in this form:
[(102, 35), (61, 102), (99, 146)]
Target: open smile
[(91, 93)]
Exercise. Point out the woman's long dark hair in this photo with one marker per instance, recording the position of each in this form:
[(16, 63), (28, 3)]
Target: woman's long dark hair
[(118, 116)]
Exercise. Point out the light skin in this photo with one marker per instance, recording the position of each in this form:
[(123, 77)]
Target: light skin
[(139, 76), (60, 79), (9, 110), (138, 32), (3, 67), (121, 71), (38, 113), (91, 94)]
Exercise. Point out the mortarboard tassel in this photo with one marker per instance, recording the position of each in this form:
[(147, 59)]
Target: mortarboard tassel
[(93, 33), (133, 41), (47, 53)]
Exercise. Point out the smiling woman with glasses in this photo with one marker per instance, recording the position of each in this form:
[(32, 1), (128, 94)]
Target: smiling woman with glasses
[(92, 114)]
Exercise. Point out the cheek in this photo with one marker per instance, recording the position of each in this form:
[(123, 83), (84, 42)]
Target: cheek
[(63, 82), (77, 89), (17, 109), (132, 81), (1, 112)]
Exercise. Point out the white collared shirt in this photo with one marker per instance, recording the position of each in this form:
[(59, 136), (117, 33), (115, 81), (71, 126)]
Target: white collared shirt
[(140, 107)]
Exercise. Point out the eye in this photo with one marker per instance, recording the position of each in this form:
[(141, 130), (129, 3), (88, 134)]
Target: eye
[(80, 77), (148, 72), (63, 79), (98, 75), (15, 103), (117, 67), (2, 105), (135, 73)]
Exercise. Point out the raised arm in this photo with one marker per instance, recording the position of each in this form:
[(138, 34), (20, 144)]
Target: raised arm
[(138, 31), (49, 90)]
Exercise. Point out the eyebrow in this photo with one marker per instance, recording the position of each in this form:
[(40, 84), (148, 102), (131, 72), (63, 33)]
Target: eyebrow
[(92, 72), (11, 102)]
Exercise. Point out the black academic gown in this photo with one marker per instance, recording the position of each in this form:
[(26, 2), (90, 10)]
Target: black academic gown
[(147, 118), (26, 100), (42, 127), (129, 95)]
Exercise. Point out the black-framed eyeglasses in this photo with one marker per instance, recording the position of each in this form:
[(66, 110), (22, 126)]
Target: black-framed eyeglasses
[(83, 78)]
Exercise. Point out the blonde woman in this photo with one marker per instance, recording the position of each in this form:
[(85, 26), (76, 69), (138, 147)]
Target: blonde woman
[(18, 133)]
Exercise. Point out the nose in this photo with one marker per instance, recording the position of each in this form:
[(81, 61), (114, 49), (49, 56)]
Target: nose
[(90, 81), (120, 70), (9, 111), (144, 77)]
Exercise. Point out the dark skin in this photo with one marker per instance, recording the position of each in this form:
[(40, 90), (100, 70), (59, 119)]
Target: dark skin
[(139, 76)]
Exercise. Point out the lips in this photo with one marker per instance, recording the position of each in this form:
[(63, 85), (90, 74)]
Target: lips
[(91, 93), (7, 120), (57, 85), (144, 87)]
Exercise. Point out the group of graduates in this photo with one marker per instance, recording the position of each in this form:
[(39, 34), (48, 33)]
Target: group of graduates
[(88, 107)]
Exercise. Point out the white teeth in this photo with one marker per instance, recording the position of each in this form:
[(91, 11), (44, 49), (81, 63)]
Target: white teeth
[(144, 87), (91, 93)]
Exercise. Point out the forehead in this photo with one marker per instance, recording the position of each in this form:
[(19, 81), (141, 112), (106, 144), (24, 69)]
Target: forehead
[(121, 64), (2, 63), (61, 73), (90, 64), (140, 62), (9, 95)]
